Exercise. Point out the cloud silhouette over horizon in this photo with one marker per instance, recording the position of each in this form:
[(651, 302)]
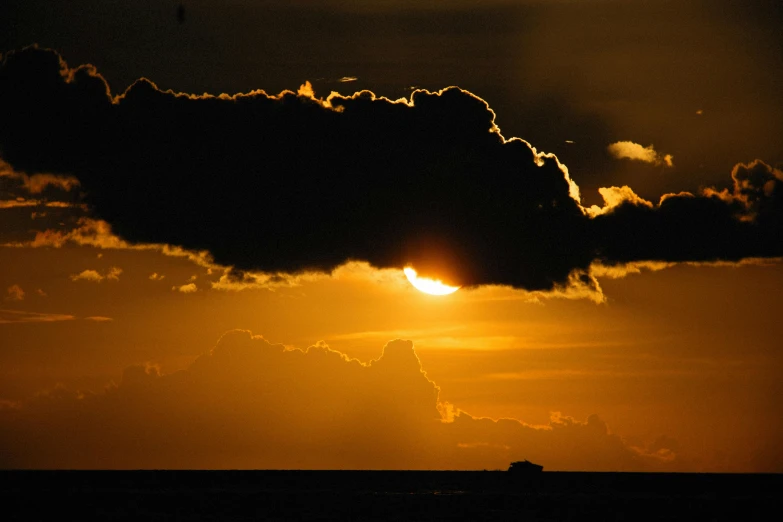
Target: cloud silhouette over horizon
[(249, 403), (289, 183)]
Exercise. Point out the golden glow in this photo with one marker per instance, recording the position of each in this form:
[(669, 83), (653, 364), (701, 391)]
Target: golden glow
[(428, 286)]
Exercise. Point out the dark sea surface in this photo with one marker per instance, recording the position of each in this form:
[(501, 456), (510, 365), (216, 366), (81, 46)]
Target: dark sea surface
[(386, 495)]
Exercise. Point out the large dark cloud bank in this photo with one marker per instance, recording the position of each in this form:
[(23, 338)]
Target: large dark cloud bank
[(289, 182)]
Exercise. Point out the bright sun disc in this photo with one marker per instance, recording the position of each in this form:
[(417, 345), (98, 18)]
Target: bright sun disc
[(428, 286)]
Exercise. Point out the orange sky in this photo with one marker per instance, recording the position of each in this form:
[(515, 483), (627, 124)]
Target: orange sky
[(662, 362), (119, 353)]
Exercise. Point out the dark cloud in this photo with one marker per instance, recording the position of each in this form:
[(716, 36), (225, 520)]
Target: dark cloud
[(284, 183), (290, 182), (252, 404), (746, 221)]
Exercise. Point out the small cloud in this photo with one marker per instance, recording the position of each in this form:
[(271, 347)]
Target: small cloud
[(15, 293), (37, 183), (634, 151), (18, 202), (699, 112), (185, 289), (87, 275), (41, 293), (94, 276), (21, 202), (156, 276), (479, 445), (192, 278), (98, 319), (569, 141), (348, 79)]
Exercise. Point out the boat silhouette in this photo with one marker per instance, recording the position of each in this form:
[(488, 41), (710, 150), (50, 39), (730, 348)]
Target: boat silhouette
[(524, 467)]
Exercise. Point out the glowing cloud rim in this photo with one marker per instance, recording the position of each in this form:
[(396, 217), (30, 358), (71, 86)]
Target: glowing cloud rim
[(428, 286)]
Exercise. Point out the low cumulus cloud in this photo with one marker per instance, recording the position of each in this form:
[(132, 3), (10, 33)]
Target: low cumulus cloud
[(634, 151), (187, 288), (113, 274), (291, 183), (249, 403)]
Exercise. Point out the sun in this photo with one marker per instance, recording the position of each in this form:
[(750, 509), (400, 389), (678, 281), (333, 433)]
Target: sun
[(428, 286)]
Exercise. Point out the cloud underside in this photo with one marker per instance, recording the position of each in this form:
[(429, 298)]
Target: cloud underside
[(252, 404), (290, 183)]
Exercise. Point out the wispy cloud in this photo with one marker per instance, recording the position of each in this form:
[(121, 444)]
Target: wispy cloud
[(18, 316), (22, 202), (98, 319)]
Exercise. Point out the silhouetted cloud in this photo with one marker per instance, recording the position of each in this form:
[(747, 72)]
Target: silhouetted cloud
[(252, 404), (757, 190), (730, 225), (289, 183)]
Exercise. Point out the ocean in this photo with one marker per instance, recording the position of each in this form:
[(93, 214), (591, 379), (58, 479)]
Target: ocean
[(386, 495)]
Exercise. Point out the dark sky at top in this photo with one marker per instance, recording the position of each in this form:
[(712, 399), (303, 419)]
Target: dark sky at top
[(592, 72)]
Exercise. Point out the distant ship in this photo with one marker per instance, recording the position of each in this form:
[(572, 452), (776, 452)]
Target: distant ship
[(524, 467)]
